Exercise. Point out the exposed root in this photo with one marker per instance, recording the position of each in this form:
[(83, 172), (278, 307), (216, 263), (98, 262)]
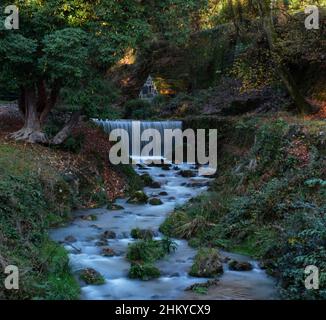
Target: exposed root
[(29, 135)]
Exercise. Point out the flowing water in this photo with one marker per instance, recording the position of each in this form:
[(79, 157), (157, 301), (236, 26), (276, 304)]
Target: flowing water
[(85, 252)]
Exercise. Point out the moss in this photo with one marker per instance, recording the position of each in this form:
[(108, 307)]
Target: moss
[(92, 277), (133, 180), (172, 222), (144, 272), (142, 234), (138, 197), (155, 202), (145, 251), (207, 263), (114, 207)]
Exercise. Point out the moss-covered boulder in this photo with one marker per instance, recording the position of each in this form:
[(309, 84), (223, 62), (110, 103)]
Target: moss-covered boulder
[(91, 217), (114, 207), (187, 173), (142, 234), (147, 179), (155, 185), (138, 197), (155, 202), (108, 252), (144, 272), (91, 277), (207, 264), (240, 266), (109, 234)]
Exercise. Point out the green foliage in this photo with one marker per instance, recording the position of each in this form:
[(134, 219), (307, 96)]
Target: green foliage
[(141, 234), (95, 95), (147, 251), (144, 272), (135, 182), (300, 249), (138, 110), (272, 210), (169, 246)]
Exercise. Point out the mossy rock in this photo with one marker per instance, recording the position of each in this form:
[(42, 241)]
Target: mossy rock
[(108, 235), (207, 264), (142, 234), (91, 217), (144, 272), (155, 202), (108, 252), (139, 197), (114, 207), (240, 266), (146, 251), (187, 173), (155, 185), (91, 277), (147, 179)]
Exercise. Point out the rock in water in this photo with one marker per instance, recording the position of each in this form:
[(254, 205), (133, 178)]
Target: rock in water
[(142, 234), (114, 207), (155, 202), (240, 266), (187, 173), (108, 235), (207, 264), (91, 277), (108, 252), (139, 197)]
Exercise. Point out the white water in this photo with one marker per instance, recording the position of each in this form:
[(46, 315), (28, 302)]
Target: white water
[(174, 268)]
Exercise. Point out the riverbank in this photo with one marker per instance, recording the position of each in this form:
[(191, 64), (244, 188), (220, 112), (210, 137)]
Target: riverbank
[(268, 199), (39, 188)]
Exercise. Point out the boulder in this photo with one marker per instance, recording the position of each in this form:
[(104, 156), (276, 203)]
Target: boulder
[(208, 264), (240, 266), (108, 252), (108, 235), (70, 239), (139, 197), (91, 277), (187, 173), (155, 202), (114, 207), (143, 234)]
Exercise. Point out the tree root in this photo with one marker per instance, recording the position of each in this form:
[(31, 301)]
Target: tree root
[(29, 135)]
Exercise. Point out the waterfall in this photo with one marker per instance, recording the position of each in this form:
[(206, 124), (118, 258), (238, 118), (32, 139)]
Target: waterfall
[(110, 125)]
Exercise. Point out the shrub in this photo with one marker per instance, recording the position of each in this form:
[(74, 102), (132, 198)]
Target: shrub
[(144, 272), (138, 110)]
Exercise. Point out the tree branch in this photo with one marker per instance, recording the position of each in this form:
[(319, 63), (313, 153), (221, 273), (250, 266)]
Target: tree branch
[(66, 130)]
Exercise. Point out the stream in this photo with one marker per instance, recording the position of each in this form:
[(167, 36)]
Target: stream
[(85, 252)]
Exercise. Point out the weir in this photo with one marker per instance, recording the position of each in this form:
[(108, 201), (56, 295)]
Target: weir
[(110, 125)]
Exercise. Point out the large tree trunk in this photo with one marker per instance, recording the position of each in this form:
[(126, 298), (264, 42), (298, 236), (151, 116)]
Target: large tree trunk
[(35, 104), (268, 27), (31, 131)]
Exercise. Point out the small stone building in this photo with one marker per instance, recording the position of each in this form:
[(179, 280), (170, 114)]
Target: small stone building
[(149, 91)]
